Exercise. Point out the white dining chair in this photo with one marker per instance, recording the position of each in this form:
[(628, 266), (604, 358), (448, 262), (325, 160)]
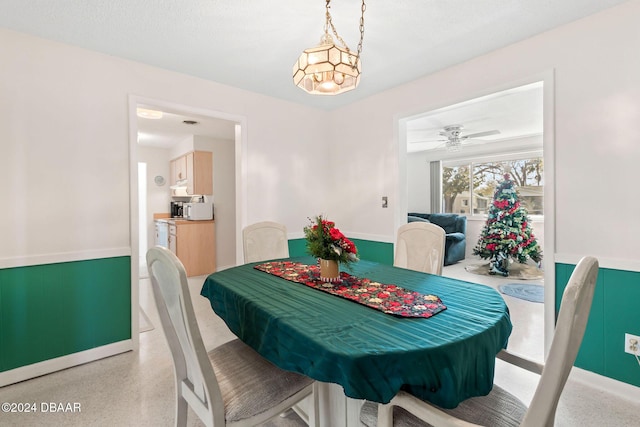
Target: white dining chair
[(231, 385), (420, 247), (499, 407), (265, 240)]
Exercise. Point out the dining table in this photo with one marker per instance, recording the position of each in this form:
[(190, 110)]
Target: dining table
[(376, 330)]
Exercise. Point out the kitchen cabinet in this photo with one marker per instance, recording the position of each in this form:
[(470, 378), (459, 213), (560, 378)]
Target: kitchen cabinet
[(199, 171), (178, 170), (196, 168), (171, 242), (194, 243)]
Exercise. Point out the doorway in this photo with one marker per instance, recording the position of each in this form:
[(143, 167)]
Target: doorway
[(229, 201), (171, 135), (143, 244), (424, 138)]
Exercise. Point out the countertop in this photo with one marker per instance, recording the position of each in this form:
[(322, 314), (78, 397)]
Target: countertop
[(182, 221), (166, 217)]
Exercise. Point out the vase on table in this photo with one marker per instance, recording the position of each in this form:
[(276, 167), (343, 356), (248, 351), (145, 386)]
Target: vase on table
[(329, 271)]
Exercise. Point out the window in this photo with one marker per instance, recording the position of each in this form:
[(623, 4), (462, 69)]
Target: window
[(468, 188)]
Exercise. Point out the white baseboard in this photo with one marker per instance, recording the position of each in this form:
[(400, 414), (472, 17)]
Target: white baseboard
[(600, 382), (612, 263), (52, 365)]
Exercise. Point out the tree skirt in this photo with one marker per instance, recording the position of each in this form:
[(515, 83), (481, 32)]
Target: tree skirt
[(516, 271), (528, 292)]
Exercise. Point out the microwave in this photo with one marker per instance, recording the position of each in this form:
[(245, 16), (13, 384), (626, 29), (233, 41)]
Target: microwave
[(197, 211)]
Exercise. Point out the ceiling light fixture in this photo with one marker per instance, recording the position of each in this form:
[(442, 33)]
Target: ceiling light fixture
[(454, 142), (328, 69), (148, 114)]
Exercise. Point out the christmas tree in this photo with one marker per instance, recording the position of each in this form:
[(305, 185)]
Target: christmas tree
[(507, 233)]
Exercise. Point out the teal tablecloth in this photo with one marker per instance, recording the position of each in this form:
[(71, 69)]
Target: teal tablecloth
[(372, 355)]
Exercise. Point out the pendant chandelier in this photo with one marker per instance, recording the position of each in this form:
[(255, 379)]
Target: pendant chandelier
[(328, 69)]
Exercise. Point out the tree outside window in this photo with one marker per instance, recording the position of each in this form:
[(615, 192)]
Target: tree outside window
[(471, 195)]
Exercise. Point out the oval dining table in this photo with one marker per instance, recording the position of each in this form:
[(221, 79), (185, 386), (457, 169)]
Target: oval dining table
[(357, 351)]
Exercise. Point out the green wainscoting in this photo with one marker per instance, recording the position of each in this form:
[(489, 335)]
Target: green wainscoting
[(52, 310), (614, 312), (369, 250)]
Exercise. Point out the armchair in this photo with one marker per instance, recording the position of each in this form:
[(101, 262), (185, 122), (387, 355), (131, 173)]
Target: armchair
[(455, 227)]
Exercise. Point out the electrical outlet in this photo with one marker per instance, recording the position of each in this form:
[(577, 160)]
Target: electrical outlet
[(385, 202), (632, 344)]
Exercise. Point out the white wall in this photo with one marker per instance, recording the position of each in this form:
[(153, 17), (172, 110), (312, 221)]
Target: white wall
[(597, 111), (418, 182), (181, 148), (223, 197), (64, 132)]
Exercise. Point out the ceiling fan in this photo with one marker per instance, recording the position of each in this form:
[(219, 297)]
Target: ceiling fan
[(453, 137)]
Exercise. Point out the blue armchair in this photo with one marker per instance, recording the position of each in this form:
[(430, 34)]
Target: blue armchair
[(455, 227)]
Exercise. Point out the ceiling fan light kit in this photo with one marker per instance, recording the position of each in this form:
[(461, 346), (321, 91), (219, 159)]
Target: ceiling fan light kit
[(329, 69), (453, 145), (452, 133), (454, 138)]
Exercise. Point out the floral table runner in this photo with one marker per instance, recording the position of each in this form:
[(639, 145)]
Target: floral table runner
[(389, 299)]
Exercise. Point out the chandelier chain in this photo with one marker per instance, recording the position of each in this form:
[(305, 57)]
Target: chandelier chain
[(364, 7), (329, 24)]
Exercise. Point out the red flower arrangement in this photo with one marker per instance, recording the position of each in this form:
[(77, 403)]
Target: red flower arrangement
[(325, 241)]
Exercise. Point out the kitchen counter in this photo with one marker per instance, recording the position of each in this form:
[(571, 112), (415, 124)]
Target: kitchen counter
[(193, 242), (183, 221)]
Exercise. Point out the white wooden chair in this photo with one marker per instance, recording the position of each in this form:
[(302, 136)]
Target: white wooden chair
[(420, 247), (265, 240), (232, 385), (500, 408)]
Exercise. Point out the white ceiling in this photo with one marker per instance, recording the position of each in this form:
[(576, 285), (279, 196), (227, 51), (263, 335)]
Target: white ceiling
[(253, 44), (517, 114), (171, 129)]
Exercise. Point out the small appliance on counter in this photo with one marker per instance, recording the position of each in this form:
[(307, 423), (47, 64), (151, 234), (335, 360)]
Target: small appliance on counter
[(195, 211), (177, 209)]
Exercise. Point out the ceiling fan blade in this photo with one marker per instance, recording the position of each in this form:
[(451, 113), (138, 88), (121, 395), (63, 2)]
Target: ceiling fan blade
[(481, 134), (422, 141)]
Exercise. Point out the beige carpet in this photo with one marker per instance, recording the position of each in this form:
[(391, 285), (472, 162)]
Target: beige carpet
[(516, 271)]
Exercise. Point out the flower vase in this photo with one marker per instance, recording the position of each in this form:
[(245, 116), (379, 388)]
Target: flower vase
[(329, 271)]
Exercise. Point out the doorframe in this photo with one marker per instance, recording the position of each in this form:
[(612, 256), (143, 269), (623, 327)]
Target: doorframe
[(240, 144), (548, 147)]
